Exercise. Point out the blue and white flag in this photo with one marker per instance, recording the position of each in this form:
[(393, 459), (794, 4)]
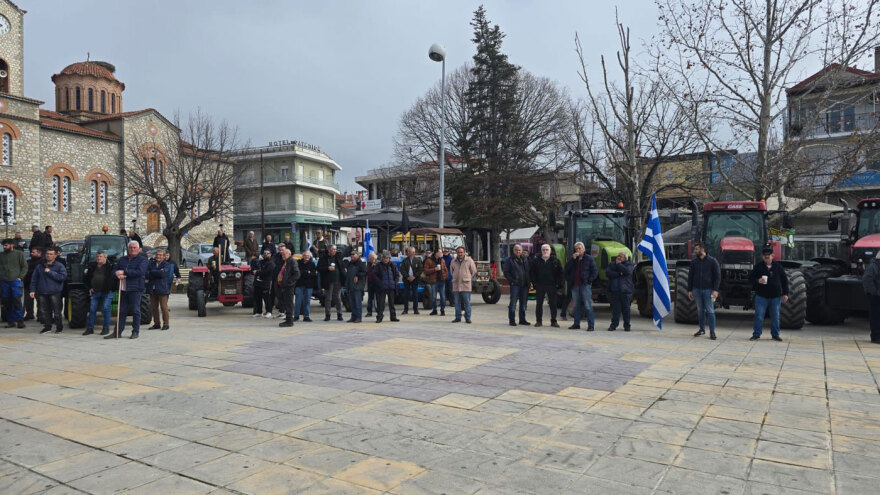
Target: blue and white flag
[(368, 242), (652, 246), (308, 241)]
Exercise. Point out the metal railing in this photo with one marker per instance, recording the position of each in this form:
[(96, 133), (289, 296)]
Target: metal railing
[(822, 126), (282, 179), (284, 207)]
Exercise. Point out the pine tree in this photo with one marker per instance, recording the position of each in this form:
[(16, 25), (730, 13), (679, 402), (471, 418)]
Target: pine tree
[(495, 180)]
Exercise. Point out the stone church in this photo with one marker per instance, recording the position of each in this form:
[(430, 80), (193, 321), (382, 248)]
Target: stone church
[(66, 167)]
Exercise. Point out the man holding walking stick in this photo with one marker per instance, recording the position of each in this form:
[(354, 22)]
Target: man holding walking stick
[(130, 270)]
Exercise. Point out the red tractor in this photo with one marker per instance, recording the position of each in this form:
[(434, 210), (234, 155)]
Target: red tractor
[(734, 233), (834, 285), (225, 286)]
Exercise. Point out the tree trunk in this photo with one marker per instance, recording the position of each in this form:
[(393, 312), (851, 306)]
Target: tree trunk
[(173, 246)]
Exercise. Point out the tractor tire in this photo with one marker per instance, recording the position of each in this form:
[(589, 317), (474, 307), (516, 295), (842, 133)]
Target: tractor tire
[(685, 307), (78, 309), (645, 301), (247, 288), (201, 301), (818, 311), (494, 296), (146, 309), (196, 283), (793, 313)]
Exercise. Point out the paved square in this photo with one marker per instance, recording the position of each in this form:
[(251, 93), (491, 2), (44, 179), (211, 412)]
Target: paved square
[(231, 404)]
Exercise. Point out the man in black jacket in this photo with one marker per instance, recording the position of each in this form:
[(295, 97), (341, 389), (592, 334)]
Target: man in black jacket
[(516, 271), (580, 272), (38, 240), (620, 289), (32, 262), (102, 283), (546, 276), (286, 282), (264, 270), (332, 277), (771, 290), (308, 281), (704, 279), (221, 242)]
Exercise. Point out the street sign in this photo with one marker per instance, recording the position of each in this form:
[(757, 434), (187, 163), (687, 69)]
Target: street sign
[(371, 204)]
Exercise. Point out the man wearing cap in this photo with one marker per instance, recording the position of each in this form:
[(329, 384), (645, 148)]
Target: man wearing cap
[(13, 268), (221, 242), (871, 281), (264, 270), (771, 290), (131, 271)]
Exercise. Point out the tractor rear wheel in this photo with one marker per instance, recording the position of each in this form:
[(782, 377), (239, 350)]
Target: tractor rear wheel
[(685, 307), (793, 312), (196, 283), (247, 288), (645, 284), (146, 309), (818, 310), (78, 309)]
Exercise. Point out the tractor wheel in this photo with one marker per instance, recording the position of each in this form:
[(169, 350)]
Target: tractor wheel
[(494, 296), (793, 312), (645, 282), (78, 308), (247, 287), (201, 301), (196, 283), (685, 307), (818, 311), (146, 309)]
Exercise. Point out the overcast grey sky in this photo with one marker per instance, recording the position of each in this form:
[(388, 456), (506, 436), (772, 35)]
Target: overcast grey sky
[(334, 73)]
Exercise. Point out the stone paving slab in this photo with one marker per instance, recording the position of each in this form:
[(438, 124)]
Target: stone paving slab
[(230, 404)]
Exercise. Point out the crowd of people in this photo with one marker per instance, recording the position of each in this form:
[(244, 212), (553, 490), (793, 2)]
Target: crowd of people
[(288, 284)]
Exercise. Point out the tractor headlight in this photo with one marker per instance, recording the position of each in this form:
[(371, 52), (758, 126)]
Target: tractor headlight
[(237, 274), (223, 275)]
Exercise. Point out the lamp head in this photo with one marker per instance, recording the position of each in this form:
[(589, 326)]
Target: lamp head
[(437, 53)]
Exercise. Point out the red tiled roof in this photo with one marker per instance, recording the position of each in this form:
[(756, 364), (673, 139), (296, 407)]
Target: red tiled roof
[(53, 120), (86, 69), (865, 75)]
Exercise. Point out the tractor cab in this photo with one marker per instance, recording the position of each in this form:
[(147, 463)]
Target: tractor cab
[(734, 232), (866, 242), (604, 234)]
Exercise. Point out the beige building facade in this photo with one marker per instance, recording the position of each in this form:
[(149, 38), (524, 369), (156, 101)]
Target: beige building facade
[(66, 167)]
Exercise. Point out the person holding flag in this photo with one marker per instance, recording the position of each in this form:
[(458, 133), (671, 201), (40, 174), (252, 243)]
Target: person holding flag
[(368, 242), (652, 247)]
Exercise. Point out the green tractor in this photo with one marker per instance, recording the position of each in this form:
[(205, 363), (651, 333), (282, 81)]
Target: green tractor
[(604, 234), (77, 295)]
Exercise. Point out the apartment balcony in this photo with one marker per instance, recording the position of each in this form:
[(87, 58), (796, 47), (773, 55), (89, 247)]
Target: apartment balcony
[(285, 208), (287, 180), (832, 126)]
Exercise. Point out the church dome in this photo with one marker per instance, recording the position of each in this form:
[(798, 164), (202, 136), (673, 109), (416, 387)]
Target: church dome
[(88, 88)]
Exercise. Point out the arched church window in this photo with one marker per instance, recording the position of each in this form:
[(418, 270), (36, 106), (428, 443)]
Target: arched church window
[(7, 206), (91, 100), (78, 99), (103, 101), (7, 149)]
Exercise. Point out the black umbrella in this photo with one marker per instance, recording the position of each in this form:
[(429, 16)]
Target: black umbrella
[(404, 221)]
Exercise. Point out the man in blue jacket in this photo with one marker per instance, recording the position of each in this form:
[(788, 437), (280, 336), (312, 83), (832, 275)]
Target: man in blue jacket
[(580, 272), (704, 279), (47, 284), (131, 271), (516, 271), (620, 288)]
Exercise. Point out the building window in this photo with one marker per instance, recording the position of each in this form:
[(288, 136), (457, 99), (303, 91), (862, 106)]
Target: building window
[(4, 80), (113, 103), (321, 174), (78, 98), (56, 185), (67, 98), (7, 206), (299, 198), (65, 194), (60, 193), (102, 198), (94, 196), (284, 172), (7, 149), (91, 100), (299, 169), (103, 101), (321, 202)]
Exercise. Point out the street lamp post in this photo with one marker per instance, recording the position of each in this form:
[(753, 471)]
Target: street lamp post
[(438, 54)]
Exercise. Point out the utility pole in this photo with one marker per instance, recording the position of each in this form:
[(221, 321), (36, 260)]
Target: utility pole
[(262, 204)]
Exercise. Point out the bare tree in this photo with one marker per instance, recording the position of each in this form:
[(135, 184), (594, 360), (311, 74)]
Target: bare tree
[(729, 63), (624, 131), (186, 172)]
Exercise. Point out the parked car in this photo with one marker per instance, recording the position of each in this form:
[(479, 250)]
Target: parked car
[(201, 252), (70, 247)]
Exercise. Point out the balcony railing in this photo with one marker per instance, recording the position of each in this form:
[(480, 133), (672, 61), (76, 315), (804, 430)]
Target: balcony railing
[(286, 179), (284, 207), (837, 126)]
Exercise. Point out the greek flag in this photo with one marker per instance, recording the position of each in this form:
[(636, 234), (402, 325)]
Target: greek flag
[(308, 241), (368, 242), (652, 246)]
